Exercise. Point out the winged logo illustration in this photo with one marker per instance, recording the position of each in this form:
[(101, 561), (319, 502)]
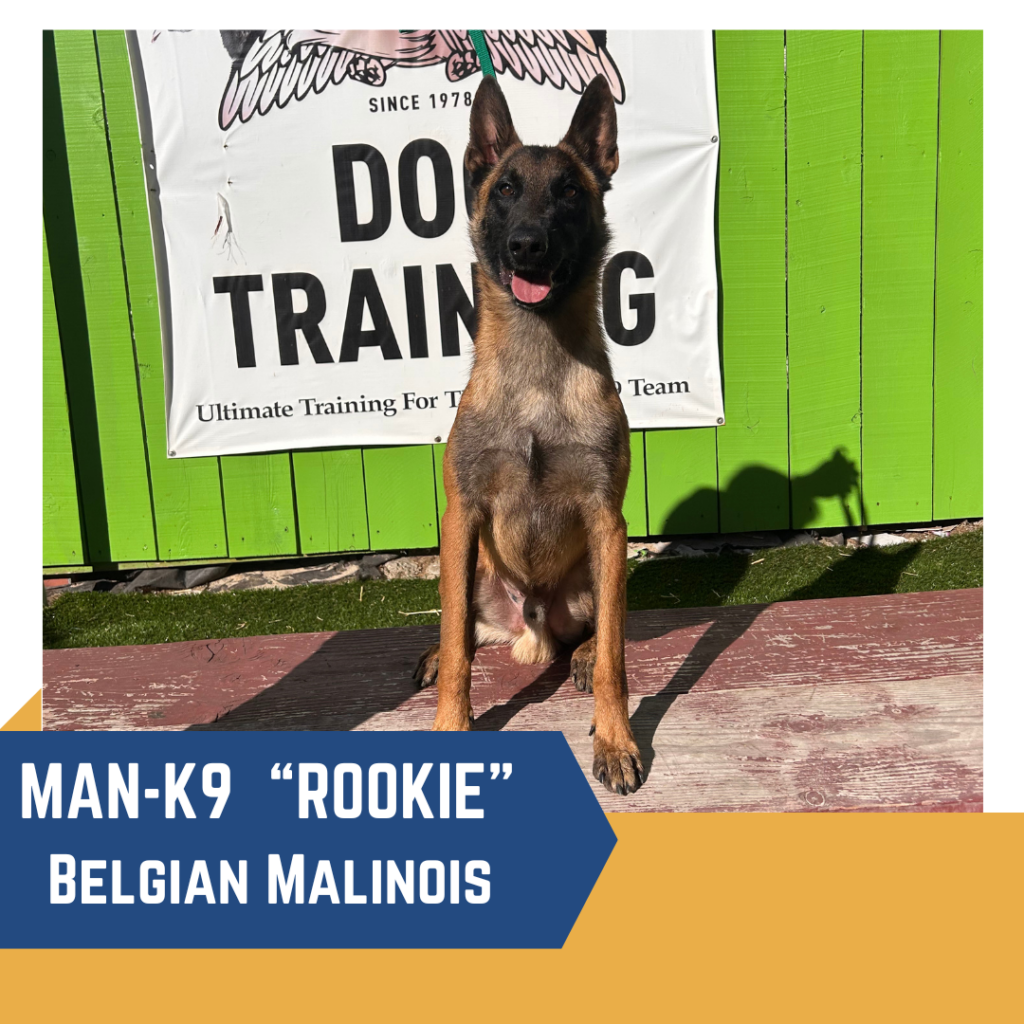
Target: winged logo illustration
[(272, 67)]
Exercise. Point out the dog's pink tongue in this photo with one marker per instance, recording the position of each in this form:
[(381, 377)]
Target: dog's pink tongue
[(529, 291)]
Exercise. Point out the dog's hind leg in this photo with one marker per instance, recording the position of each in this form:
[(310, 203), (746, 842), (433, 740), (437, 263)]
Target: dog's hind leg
[(498, 620), (581, 670), (425, 673), (571, 618)]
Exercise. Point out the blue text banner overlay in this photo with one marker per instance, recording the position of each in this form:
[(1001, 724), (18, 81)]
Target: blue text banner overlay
[(295, 840)]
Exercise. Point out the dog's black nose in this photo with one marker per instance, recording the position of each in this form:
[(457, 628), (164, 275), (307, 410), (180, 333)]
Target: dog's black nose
[(528, 244)]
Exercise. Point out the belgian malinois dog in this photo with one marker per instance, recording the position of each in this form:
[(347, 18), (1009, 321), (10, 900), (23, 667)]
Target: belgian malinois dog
[(533, 541)]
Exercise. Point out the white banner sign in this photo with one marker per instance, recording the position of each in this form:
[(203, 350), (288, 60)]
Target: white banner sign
[(311, 227)]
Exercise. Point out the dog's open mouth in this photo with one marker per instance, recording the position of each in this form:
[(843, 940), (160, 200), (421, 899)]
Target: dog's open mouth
[(529, 287)]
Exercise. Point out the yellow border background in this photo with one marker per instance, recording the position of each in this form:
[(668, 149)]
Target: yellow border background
[(717, 917), (28, 718)]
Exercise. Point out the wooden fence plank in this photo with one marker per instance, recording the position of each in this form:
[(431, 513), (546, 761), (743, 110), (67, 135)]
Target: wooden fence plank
[(823, 104), (128, 509), (259, 508), (186, 492), (958, 280), (442, 501), (682, 481), (753, 457), (69, 302), (331, 500), (400, 501), (634, 507), (62, 528), (901, 76)]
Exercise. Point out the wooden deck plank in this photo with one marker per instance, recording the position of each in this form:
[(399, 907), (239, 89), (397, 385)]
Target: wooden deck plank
[(845, 641), (797, 748), (844, 704)]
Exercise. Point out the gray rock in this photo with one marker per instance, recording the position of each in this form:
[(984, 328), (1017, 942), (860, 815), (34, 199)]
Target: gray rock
[(885, 540), (253, 580), (413, 567), (84, 587), (50, 594), (335, 572), (369, 566), (647, 549), (800, 539), (705, 543), (752, 541), (681, 550), (204, 574), (155, 579), (280, 579)]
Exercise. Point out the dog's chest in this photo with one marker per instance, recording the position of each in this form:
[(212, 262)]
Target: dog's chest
[(558, 436), (542, 414)]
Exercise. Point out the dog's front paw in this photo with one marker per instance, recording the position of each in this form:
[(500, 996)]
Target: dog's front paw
[(582, 668), (617, 766), (425, 673), (459, 721)]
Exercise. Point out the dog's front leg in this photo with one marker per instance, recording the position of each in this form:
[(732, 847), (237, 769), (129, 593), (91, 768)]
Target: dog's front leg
[(617, 761), (459, 539)]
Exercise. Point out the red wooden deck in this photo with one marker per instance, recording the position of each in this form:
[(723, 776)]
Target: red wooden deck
[(851, 704)]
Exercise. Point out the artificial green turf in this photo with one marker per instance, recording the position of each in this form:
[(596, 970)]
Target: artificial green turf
[(787, 574), (810, 571)]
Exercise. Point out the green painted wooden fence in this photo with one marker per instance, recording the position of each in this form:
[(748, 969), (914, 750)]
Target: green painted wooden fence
[(849, 222)]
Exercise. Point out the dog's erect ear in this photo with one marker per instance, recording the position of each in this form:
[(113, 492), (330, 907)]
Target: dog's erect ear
[(491, 133), (593, 135)]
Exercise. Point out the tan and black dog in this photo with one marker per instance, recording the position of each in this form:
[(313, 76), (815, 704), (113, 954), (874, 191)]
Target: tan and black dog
[(533, 541)]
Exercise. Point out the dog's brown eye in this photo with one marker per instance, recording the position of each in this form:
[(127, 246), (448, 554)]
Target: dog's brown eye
[(569, 191), (506, 189)]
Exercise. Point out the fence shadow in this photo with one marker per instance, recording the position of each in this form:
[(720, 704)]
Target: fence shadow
[(349, 679)]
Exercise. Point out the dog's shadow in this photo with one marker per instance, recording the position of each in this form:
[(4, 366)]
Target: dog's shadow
[(726, 627), (349, 680)]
